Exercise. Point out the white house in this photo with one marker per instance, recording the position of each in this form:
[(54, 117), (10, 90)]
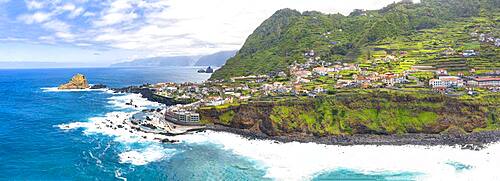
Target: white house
[(446, 81)]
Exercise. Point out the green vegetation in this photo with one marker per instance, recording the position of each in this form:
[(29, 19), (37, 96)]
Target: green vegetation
[(421, 30), (370, 112), (227, 117)]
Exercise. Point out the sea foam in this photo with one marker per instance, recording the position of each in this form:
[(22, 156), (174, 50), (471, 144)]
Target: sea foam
[(115, 124), (123, 101), (145, 156), (303, 161), (56, 89)]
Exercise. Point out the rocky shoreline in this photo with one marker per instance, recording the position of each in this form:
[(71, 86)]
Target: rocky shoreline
[(148, 94), (472, 141)]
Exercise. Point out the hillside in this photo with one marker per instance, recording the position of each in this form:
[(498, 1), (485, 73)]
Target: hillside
[(423, 29), (217, 59)]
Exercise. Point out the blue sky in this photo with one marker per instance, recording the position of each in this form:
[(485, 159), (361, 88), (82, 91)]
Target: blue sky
[(100, 32)]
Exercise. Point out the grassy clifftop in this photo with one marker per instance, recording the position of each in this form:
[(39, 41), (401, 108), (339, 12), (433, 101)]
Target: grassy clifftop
[(288, 34), (378, 112)]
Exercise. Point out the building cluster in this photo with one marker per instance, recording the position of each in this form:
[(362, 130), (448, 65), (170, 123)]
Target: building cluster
[(445, 81), (486, 38), (311, 78), (182, 114)]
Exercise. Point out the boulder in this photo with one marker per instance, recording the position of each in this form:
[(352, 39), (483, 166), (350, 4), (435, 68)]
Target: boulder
[(77, 82)]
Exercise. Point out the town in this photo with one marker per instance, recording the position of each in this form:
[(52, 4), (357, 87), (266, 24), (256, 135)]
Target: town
[(316, 77)]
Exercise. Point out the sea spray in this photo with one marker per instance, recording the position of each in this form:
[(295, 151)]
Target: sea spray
[(115, 124), (303, 161), (145, 156)]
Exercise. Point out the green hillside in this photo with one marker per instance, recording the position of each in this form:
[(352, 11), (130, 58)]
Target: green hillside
[(422, 31)]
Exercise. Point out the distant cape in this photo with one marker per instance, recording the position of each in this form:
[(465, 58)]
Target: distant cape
[(215, 60), (158, 62)]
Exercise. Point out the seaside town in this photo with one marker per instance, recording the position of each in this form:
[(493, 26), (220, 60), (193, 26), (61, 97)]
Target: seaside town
[(316, 77)]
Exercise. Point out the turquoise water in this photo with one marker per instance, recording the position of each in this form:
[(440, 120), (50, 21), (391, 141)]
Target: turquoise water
[(346, 174), (34, 147)]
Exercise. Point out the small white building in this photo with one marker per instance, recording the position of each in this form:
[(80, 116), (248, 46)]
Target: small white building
[(484, 82), (469, 53), (184, 116), (446, 81)]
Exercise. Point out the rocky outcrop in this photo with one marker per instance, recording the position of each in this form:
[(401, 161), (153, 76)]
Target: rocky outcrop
[(77, 82), (98, 86), (149, 94)]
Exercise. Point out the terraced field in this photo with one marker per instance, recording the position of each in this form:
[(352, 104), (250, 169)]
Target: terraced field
[(440, 48)]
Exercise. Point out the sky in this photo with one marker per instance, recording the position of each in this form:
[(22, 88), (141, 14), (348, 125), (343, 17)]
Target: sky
[(100, 32)]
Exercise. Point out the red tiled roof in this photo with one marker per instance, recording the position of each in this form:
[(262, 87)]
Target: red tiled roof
[(487, 79)]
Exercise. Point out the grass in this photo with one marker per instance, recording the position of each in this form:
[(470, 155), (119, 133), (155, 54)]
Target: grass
[(227, 117)]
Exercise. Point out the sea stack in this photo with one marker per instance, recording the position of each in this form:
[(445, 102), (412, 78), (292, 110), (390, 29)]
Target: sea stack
[(209, 70), (77, 82)]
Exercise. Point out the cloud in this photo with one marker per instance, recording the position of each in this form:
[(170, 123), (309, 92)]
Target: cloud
[(71, 9), (167, 27), (33, 5), (178, 27), (118, 11), (37, 17)]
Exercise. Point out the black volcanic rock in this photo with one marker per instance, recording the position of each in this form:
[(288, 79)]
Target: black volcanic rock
[(98, 86)]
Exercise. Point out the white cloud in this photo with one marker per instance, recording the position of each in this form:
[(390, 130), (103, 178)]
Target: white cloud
[(32, 4), (56, 25), (71, 9), (61, 29), (37, 17), (89, 14), (118, 11), (173, 27), (83, 44)]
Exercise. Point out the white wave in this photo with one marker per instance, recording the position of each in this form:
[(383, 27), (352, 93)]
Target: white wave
[(116, 124), (302, 161), (145, 156), (73, 125), (118, 175), (56, 89), (138, 102)]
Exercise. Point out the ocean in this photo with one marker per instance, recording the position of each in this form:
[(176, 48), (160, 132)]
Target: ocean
[(46, 134)]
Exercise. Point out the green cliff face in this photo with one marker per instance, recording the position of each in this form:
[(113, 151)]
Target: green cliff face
[(376, 112), (288, 34)]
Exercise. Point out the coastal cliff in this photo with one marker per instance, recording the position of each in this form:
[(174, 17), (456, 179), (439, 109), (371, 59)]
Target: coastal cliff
[(77, 82), (377, 113)]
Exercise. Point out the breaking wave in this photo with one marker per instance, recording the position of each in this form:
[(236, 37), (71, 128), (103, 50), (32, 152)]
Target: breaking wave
[(115, 124), (304, 161)]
